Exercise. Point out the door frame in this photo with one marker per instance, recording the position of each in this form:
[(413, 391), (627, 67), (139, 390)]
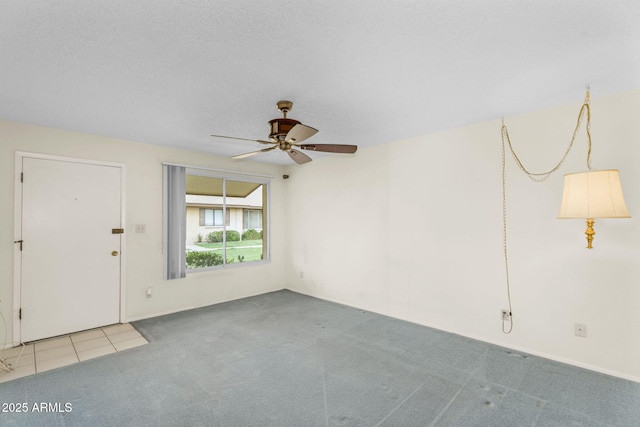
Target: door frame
[(17, 232)]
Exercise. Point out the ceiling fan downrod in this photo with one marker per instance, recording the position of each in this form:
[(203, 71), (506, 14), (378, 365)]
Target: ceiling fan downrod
[(285, 107)]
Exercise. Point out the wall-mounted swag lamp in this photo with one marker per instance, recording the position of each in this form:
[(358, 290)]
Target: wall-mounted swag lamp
[(587, 195)]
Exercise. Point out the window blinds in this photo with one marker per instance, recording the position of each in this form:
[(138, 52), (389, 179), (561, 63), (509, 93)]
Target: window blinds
[(175, 229)]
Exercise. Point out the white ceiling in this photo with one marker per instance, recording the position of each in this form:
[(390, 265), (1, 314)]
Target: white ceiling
[(362, 72)]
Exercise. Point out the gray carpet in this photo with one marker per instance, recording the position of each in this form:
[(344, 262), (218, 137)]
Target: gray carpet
[(284, 359)]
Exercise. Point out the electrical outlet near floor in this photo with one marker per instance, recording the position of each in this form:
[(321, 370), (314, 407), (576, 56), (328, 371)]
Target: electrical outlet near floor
[(506, 316), (581, 330)]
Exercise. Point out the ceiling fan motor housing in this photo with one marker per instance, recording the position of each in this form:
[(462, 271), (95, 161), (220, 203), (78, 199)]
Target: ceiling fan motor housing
[(280, 128)]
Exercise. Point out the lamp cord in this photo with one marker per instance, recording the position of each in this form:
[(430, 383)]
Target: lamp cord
[(536, 177), (4, 365), (504, 235)]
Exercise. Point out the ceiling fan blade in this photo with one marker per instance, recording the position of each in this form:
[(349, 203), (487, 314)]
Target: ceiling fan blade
[(243, 139), (330, 148), (298, 157), (299, 133), (253, 153)]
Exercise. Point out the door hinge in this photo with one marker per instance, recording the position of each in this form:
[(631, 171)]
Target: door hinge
[(20, 313), (19, 241), (21, 176)]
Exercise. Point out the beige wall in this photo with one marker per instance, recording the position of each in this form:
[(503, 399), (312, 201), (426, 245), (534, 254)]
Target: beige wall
[(143, 198), (423, 239)]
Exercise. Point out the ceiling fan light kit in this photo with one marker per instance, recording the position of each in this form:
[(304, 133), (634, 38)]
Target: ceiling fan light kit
[(287, 134)]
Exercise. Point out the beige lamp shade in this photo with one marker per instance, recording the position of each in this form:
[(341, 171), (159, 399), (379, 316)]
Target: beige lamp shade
[(593, 194)]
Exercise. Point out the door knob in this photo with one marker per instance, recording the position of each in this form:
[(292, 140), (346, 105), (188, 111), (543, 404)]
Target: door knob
[(114, 253)]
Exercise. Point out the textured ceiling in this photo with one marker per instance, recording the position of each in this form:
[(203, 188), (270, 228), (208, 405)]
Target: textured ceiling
[(362, 72)]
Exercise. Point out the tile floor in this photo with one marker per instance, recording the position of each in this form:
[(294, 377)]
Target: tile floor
[(44, 355)]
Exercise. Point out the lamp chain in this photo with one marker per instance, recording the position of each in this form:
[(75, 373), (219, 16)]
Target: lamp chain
[(536, 177), (539, 177)]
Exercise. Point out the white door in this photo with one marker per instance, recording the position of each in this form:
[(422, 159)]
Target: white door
[(70, 258)]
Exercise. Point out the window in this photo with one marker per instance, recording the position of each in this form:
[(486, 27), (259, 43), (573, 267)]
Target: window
[(252, 219), (213, 220), (213, 217)]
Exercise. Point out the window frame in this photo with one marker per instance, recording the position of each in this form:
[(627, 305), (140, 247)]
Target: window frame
[(263, 180)]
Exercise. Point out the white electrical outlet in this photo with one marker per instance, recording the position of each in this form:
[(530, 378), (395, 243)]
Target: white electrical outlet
[(302, 274), (506, 316), (141, 228), (581, 330)]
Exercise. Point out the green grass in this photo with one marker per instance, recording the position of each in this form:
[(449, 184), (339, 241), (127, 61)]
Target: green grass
[(249, 254), (237, 249)]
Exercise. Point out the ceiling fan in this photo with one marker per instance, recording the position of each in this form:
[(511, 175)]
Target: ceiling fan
[(287, 135)]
